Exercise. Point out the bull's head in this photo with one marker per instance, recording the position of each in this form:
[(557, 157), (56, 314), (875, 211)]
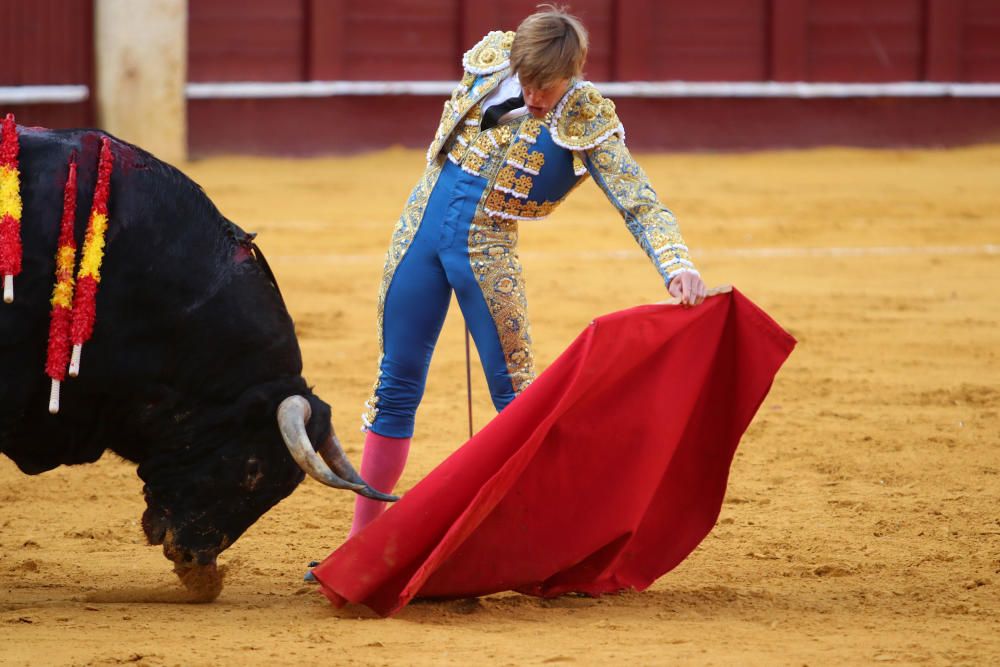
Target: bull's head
[(198, 505)]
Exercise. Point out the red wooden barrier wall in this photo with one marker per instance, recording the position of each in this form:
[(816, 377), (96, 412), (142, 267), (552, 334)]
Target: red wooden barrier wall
[(249, 40), (706, 40), (47, 42), (725, 40), (978, 39), (710, 40), (50, 42)]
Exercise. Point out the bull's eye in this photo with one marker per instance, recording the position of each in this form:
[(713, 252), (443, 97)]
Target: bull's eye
[(253, 474)]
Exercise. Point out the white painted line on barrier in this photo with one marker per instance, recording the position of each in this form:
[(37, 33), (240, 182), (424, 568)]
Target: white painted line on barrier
[(649, 89), (799, 89), (43, 94), (268, 89), (710, 253)]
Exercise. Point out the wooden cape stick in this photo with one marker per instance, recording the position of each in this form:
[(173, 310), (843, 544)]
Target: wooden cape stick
[(468, 377)]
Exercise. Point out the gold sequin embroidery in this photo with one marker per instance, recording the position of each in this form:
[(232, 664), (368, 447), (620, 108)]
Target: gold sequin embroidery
[(534, 162), (514, 208), (462, 107), (497, 268), (520, 157), (651, 223), (517, 154), (478, 152), (584, 118), (509, 182), (490, 54)]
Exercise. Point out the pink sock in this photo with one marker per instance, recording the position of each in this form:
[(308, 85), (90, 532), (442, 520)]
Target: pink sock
[(381, 466)]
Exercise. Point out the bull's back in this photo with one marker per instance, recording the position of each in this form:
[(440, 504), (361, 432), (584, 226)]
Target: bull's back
[(180, 300)]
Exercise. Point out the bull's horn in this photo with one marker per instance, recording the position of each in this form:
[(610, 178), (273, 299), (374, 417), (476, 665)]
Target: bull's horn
[(293, 413), (333, 454)]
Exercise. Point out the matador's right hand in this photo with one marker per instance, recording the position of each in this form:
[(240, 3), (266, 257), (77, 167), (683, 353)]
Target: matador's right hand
[(688, 287)]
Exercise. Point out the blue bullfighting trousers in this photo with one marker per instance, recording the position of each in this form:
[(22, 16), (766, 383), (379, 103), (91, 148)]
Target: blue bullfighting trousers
[(417, 301)]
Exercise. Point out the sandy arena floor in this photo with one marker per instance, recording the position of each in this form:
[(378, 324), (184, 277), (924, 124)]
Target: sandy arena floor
[(862, 521)]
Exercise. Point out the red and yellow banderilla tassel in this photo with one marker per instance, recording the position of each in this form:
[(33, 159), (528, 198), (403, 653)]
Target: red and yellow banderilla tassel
[(88, 277), (62, 293), (10, 207)]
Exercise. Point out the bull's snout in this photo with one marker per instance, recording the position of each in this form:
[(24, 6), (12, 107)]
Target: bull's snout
[(197, 570), (203, 582)]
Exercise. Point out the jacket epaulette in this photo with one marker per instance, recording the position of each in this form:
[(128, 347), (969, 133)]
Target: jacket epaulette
[(584, 118), (490, 55), (486, 63)]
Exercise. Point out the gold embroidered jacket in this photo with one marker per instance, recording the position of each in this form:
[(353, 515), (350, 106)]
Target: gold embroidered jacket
[(531, 165)]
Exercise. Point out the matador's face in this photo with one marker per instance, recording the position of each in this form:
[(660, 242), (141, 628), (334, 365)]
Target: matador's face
[(541, 100)]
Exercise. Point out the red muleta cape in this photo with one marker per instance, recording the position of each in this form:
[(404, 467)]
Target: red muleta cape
[(602, 475)]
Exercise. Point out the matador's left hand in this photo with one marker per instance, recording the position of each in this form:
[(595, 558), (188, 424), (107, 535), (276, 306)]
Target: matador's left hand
[(688, 287)]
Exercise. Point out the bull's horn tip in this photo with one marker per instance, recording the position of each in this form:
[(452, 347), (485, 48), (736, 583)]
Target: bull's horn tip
[(378, 495)]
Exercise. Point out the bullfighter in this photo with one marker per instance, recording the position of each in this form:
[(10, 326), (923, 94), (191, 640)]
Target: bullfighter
[(520, 132)]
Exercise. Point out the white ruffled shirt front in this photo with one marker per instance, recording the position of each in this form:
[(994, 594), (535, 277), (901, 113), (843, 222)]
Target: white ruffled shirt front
[(508, 88)]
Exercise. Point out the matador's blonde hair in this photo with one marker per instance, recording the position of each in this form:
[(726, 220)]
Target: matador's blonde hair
[(549, 45)]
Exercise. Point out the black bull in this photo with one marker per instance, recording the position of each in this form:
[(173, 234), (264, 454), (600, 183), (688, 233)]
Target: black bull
[(192, 354)]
